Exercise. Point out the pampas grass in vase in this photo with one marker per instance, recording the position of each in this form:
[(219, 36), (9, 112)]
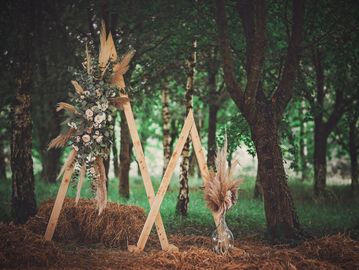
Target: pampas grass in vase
[(221, 192)]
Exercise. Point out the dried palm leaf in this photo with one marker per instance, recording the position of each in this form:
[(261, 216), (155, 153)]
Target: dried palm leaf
[(121, 68), (107, 48), (70, 162), (80, 182), (79, 90), (66, 106), (220, 189), (101, 191), (61, 140)]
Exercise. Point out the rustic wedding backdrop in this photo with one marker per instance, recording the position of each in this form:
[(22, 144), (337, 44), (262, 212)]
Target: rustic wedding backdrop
[(271, 85)]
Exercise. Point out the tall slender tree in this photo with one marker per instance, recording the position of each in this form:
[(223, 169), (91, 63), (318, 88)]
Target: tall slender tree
[(125, 158), (23, 182), (166, 122), (264, 111), (183, 195)]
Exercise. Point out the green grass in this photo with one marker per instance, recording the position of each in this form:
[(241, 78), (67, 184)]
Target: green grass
[(338, 212)]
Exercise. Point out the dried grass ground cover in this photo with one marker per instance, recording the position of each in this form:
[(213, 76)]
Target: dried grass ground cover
[(19, 247), (195, 254), (116, 227)]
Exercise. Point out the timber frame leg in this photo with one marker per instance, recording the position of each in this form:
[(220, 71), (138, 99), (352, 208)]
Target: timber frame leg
[(146, 179), (51, 225)]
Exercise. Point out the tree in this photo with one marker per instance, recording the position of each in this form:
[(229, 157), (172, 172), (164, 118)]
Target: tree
[(125, 158), (183, 195), (262, 111), (23, 189), (166, 141)]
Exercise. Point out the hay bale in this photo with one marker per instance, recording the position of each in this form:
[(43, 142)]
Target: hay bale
[(19, 247), (117, 226)]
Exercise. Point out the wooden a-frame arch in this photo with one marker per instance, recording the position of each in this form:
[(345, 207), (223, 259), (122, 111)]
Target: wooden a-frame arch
[(154, 216)]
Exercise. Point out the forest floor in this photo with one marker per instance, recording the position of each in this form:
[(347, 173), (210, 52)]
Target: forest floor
[(333, 221)]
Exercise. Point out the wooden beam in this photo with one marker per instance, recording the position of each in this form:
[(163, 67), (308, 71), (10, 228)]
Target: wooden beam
[(196, 141), (155, 208), (202, 164), (51, 225), (145, 174)]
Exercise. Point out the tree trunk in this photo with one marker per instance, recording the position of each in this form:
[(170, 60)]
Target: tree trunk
[(282, 221), (23, 183), (2, 161), (353, 153), (166, 128), (212, 129), (320, 160), (114, 149), (125, 158), (50, 158), (302, 155), (183, 195), (258, 190)]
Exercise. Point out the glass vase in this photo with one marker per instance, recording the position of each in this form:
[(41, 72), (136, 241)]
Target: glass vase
[(222, 237)]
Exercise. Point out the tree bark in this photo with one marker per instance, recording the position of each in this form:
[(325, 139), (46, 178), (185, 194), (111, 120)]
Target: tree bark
[(320, 159), (125, 158), (2, 160), (302, 155), (183, 195), (114, 149), (282, 220), (258, 190), (23, 183), (353, 153), (212, 130), (166, 128)]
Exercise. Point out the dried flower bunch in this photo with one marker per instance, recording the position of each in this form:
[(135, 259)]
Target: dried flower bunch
[(220, 189), (99, 87)]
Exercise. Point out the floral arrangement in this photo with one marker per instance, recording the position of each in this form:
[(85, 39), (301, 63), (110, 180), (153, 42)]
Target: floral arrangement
[(221, 193), (99, 89)]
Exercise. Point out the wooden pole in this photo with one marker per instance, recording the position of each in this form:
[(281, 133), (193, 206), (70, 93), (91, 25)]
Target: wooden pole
[(51, 225), (155, 208), (145, 175)]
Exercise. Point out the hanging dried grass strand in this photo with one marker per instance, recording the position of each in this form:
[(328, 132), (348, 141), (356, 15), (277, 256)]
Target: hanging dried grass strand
[(78, 88), (65, 106), (80, 182), (71, 159), (61, 140)]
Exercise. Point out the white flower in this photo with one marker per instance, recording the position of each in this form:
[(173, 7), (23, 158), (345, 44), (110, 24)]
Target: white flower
[(72, 125), (87, 93), (98, 93), (104, 106), (89, 113), (86, 138), (78, 139), (97, 132), (75, 147), (99, 139), (92, 170), (109, 117), (100, 117), (82, 96)]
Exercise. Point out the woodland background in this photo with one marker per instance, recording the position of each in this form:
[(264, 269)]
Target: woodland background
[(279, 78)]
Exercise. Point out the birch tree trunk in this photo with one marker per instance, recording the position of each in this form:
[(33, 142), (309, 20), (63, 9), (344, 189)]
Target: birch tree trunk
[(183, 195), (166, 128)]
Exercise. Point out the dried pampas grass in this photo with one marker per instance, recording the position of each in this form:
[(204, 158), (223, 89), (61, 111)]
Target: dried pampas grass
[(220, 189), (61, 140)]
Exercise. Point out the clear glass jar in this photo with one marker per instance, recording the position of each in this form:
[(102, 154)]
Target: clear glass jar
[(222, 237)]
